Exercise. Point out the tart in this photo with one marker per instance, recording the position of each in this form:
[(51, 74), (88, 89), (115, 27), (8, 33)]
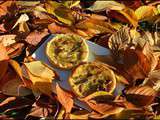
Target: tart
[(66, 51), (91, 77)]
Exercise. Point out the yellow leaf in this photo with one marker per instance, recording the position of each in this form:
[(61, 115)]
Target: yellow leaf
[(102, 5), (38, 69), (130, 15), (145, 12), (41, 76)]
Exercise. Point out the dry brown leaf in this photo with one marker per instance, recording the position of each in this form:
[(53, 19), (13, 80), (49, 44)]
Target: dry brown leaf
[(65, 98), (136, 64), (15, 49), (39, 111), (35, 37), (18, 70), (54, 28), (11, 84), (4, 67), (141, 96), (119, 41), (102, 102)]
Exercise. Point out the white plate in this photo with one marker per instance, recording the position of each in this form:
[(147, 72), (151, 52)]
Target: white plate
[(94, 49)]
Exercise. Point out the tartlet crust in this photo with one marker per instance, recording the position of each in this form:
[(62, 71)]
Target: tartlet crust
[(112, 75), (58, 65)]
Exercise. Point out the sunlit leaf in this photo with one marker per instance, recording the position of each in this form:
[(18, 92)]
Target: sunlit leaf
[(119, 41), (64, 15), (8, 39), (71, 3), (145, 12), (102, 5), (27, 3), (43, 81), (22, 18), (37, 68), (130, 15)]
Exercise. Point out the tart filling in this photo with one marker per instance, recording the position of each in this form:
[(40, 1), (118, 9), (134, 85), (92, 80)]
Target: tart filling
[(67, 51), (88, 78)]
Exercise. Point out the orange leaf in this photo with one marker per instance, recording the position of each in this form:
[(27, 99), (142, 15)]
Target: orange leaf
[(3, 51), (65, 98), (141, 96)]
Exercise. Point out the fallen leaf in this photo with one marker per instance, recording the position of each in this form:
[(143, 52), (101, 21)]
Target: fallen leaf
[(126, 15), (71, 3), (61, 12), (27, 3), (8, 39), (11, 85), (3, 55), (7, 100), (130, 15), (23, 18), (145, 12), (39, 112), (35, 37), (103, 5), (65, 98), (41, 81), (136, 65), (2, 28), (4, 7), (100, 102), (15, 49), (81, 114), (132, 113), (119, 41), (140, 96), (153, 80), (4, 67), (64, 15), (132, 4)]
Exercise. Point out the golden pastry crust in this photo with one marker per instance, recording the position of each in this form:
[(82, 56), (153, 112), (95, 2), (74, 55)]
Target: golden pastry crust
[(66, 51), (91, 77)]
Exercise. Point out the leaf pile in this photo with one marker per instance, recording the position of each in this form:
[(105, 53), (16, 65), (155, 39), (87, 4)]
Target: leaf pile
[(129, 29)]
